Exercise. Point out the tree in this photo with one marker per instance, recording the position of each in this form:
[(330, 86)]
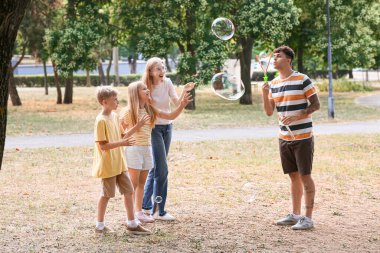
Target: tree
[(187, 24), (78, 37), (51, 42), (353, 27), (256, 21), (11, 15), (160, 25)]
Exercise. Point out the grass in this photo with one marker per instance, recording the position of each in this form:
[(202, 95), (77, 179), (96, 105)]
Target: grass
[(225, 195), (345, 85), (40, 115)]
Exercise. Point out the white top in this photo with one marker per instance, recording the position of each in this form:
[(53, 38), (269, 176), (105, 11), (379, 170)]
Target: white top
[(162, 94)]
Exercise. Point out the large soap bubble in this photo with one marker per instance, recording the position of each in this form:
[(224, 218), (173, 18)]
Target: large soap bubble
[(227, 86), (223, 28)]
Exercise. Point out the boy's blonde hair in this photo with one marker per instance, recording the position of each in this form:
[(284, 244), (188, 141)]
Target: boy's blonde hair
[(105, 92), (150, 64), (134, 104)]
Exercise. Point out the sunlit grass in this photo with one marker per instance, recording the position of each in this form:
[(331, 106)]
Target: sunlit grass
[(40, 114)]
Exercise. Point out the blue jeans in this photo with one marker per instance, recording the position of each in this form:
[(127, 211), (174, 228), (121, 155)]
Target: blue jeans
[(157, 180)]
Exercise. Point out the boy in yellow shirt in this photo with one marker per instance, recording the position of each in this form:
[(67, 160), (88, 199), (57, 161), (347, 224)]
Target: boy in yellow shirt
[(109, 161)]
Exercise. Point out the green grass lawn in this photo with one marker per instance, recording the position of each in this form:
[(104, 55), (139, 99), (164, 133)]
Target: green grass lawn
[(225, 195), (40, 115)]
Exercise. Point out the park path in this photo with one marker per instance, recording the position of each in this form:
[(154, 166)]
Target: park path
[(371, 100), (75, 140)]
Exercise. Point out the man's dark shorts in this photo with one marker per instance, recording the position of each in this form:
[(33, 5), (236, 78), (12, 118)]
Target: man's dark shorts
[(297, 156)]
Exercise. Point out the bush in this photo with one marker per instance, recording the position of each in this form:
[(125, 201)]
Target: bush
[(343, 85), (38, 80)]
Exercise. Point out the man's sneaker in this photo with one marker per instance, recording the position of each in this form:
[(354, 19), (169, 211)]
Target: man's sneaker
[(147, 211), (303, 224), (139, 230), (144, 218), (166, 217), (105, 230), (289, 219)]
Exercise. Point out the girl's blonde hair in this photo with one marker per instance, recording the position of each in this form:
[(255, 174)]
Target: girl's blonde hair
[(150, 64), (134, 104)]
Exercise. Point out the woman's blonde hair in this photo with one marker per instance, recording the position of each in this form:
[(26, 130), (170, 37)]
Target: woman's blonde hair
[(150, 64), (134, 104)]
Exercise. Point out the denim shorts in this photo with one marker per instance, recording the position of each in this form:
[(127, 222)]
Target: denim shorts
[(139, 157)]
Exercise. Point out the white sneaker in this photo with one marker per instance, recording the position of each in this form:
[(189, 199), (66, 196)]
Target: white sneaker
[(303, 224), (290, 219), (147, 211), (166, 217), (142, 217)]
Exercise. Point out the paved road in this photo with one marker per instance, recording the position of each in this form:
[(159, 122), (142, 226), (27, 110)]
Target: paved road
[(371, 100), (75, 140)]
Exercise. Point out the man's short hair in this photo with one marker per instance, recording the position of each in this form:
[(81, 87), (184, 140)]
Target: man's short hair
[(105, 92), (286, 50)]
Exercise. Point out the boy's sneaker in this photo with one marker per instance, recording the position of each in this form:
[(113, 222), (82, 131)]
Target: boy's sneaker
[(303, 224), (290, 219), (105, 230), (146, 211), (139, 230), (166, 217), (142, 217)]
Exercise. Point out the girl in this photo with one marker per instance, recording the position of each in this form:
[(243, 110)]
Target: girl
[(139, 156), (162, 92)]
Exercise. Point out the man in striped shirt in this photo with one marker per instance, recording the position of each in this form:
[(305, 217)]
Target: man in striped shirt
[(294, 96)]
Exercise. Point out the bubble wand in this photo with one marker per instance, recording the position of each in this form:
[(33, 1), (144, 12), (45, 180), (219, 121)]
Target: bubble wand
[(261, 65)]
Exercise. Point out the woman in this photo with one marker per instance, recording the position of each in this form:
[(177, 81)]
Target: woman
[(162, 93)]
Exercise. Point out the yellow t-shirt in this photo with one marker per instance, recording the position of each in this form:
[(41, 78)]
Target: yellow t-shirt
[(142, 135), (111, 162)]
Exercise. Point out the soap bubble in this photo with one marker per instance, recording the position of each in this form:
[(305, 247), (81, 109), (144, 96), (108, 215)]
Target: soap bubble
[(223, 28), (227, 86), (158, 199)]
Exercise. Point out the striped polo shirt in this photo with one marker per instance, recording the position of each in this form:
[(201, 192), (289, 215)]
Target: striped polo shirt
[(290, 96)]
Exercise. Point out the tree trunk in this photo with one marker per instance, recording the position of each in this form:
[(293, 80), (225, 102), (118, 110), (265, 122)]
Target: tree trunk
[(350, 74), (88, 79), (68, 99), (167, 64), (116, 65), (191, 27), (11, 15), (300, 50), (15, 98), (245, 69), (109, 68), (45, 79), (102, 78), (133, 64), (57, 83)]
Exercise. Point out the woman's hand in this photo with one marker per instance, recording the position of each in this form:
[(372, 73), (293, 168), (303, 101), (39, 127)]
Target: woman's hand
[(143, 120), (186, 99), (128, 141), (189, 86)]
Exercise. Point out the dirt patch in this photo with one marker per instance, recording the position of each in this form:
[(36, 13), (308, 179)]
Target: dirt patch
[(225, 194)]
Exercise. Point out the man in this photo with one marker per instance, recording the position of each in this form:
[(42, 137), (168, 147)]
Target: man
[(295, 98)]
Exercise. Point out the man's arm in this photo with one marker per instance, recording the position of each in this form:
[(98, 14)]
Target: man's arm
[(313, 106), (268, 103)]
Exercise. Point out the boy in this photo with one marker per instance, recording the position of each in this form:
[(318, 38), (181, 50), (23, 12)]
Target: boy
[(109, 162), (295, 98)]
